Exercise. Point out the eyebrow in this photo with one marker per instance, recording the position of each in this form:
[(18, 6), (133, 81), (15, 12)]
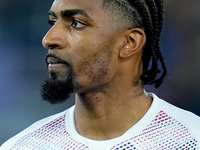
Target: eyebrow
[(70, 13)]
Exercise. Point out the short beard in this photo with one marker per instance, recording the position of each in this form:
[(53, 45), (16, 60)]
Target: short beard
[(56, 91)]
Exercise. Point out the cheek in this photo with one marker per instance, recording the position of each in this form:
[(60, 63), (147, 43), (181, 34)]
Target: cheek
[(98, 68), (93, 59), (94, 67)]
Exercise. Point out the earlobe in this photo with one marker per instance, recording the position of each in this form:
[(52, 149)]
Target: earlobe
[(135, 41)]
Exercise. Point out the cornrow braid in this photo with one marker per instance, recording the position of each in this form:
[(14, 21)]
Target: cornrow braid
[(147, 15), (157, 11), (160, 10), (155, 24)]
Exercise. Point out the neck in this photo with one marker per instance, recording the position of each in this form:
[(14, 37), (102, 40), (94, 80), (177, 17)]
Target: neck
[(100, 115)]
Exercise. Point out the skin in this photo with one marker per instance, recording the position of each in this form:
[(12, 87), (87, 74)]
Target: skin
[(107, 62)]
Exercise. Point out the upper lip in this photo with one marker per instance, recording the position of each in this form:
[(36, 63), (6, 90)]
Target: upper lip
[(53, 60)]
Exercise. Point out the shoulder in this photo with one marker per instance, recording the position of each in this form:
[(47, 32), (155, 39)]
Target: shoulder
[(35, 126), (188, 119)]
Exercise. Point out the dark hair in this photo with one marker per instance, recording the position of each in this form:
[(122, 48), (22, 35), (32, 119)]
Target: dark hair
[(149, 16)]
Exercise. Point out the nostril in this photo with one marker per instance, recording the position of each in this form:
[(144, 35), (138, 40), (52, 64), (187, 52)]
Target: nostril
[(52, 46)]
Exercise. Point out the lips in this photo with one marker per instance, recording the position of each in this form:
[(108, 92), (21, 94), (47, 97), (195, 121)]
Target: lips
[(53, 60), (54, 64)]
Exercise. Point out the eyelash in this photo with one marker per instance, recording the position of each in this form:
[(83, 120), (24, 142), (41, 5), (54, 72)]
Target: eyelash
[(51, 22), (73, 24)]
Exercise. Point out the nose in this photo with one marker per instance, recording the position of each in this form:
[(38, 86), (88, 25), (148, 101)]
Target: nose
[(54, 39)]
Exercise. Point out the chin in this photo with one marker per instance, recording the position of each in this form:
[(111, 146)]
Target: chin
[(57, 89)]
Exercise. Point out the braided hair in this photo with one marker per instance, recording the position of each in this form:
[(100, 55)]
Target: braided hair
[(147, 15)]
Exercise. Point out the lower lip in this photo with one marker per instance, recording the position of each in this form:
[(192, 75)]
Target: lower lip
[(52, 67)]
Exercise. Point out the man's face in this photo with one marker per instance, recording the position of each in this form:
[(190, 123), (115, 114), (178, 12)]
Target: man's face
[(81, 44)]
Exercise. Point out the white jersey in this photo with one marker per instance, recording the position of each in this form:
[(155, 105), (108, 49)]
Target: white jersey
[(164, 126)]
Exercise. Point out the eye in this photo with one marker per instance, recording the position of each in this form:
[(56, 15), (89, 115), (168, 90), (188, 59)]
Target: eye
[(51, 22), (77, 24)]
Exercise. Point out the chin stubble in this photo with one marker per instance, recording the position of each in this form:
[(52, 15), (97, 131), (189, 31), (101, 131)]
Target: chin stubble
[(55, 91)]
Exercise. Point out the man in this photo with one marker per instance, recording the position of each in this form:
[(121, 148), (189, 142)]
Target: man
[(105, 51)]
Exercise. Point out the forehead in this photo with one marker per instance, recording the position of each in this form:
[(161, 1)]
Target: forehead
[(91, 7)]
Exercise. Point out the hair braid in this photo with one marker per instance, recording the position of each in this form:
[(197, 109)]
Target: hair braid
[(160, 9), (155, 48), (157, 10)]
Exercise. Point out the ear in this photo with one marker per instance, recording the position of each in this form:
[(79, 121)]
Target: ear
[(135, 40)]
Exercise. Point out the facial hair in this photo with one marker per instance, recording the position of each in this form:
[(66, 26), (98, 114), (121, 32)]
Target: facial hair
[(55, 90)]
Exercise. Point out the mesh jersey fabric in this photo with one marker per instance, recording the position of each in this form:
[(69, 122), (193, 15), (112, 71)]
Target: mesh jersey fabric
[(163, 127)]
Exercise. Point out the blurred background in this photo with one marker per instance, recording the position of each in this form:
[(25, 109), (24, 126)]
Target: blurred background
[(22, 68)]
